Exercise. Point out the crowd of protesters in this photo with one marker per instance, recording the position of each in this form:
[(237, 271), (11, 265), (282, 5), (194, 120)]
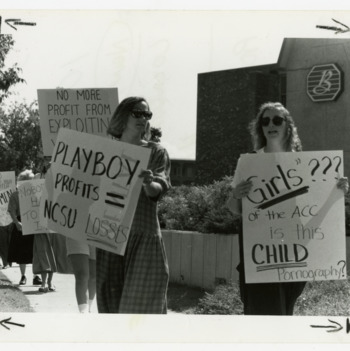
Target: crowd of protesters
[(137, 282), (134, 283)]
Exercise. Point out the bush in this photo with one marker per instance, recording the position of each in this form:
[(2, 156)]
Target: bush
[(202, 209), (198, 208)]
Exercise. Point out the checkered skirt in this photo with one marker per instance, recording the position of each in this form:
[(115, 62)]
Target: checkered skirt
[(137, 282)]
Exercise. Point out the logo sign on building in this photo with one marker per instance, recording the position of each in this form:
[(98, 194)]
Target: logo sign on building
[(83, 110), (325, 82), (293, 217), (92, 188)]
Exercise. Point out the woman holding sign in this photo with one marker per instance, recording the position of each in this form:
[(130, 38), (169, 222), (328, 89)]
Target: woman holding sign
[(273, 130), (137, 282), (21, 246)]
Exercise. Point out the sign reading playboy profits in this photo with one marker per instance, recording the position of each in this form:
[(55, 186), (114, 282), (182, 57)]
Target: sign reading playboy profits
[(293, 217), (7, 187), (30, 192), (92, 188), (83, 110)]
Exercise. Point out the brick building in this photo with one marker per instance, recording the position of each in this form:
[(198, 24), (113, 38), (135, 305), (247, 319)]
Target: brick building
[(228, 100), (183, 172)]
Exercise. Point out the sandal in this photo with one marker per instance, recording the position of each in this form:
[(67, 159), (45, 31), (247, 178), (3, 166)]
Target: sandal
[(43, 290)]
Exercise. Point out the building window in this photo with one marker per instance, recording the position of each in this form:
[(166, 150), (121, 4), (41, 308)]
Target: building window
[(189, 172), (176, 171), (283, 89)]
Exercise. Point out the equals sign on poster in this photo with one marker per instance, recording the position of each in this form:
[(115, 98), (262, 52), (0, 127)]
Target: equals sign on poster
[(115, 200)]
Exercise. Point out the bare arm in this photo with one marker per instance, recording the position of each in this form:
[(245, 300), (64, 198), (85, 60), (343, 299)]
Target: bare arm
[(234, 202)]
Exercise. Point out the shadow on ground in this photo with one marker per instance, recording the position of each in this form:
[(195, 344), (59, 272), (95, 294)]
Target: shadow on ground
[(183, 299), (11, 298)]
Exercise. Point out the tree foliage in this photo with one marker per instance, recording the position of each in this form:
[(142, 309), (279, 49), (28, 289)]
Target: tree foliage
[(156, 134), (199, 208), (9, 76), (20, 141)]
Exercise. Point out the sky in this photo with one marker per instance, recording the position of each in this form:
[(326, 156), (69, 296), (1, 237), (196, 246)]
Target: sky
[(154, 53)]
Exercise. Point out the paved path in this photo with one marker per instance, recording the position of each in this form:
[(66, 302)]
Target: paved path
[(61, 301)]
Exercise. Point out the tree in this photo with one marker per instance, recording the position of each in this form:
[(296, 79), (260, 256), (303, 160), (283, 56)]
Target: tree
[(9, 76), (20, 141), (156, 134)]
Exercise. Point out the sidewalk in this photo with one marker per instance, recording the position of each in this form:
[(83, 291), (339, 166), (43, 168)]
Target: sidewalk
[(60, 301)]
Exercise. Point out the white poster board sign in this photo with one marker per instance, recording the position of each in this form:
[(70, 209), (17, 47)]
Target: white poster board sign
[(92, 188), (30, 192), (7, 187), (83, 110), (293, 217)]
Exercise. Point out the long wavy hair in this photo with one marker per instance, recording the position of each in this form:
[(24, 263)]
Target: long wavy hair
[(292, 142), (120, 116)]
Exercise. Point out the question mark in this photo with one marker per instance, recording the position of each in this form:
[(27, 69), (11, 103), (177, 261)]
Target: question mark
[(329, 164), (342, 269), (315, 168), (339, 163)]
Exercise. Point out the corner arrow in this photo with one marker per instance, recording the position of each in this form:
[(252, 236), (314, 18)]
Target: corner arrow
[(335, 329), (7, 321), (17, 22), (12, 20)]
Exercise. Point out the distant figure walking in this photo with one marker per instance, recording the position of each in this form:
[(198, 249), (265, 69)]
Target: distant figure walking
[(21, 246)]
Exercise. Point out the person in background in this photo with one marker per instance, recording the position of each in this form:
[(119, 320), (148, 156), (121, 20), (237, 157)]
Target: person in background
[(44, 262), (5, 236), (83, 260), (21, 246), (74, 257), (273, 130), (137, 282)]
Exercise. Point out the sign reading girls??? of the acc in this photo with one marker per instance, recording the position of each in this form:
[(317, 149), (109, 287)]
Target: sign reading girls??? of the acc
[(325, 82)]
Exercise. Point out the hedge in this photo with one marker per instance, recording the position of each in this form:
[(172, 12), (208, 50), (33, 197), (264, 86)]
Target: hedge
[(198, 208), (202, 209)]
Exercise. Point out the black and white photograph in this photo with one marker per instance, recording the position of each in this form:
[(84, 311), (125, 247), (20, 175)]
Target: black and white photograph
[(174, 174)]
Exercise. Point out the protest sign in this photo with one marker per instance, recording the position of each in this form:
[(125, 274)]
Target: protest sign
[(92, 188), (84, 110), (293, 217), (7, 187), (29, 193)]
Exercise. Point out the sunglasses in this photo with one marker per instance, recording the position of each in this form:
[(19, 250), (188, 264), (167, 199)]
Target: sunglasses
[(140, 113), (277, 121)]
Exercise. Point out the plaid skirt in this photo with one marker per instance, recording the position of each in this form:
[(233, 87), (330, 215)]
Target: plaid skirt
[(136, 282)]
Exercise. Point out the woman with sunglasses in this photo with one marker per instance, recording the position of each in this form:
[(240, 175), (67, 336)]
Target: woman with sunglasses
[(137, 282), (273, 130)]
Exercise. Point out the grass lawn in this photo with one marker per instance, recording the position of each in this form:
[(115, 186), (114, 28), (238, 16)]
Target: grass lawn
[(11, 298), (322, 298)]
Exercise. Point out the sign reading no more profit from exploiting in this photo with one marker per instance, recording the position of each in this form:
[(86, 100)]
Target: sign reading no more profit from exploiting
[(83, 110), (92, 188), (293, 217)]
